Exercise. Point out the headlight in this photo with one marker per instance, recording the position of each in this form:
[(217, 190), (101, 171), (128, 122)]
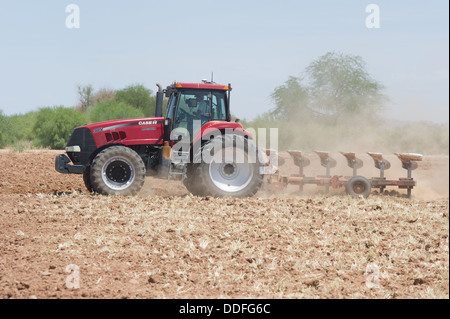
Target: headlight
[(74, 149)]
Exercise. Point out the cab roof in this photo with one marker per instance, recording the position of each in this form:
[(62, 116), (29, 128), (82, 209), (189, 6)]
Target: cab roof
[(210, 86)]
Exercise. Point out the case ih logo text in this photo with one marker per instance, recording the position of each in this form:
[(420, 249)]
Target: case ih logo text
[(148, 122)]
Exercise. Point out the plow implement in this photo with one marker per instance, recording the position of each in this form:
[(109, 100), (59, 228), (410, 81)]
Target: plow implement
[(355, 185)]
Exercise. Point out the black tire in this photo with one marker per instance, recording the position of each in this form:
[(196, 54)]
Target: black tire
[(358, 186), (224, 179), (87, 179), (117, 170)]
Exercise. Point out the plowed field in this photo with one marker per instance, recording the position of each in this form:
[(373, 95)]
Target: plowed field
[(58, 241)]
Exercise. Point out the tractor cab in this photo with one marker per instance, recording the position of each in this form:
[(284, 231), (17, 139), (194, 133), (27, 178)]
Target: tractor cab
[(192, 105)]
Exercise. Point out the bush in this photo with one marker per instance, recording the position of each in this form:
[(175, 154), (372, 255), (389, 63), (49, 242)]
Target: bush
[(16, 128), (5, 127), (54, 124), (22, 126), (113, 110)]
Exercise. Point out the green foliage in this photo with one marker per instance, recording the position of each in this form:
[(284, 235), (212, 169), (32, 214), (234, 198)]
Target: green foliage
[(5, 127), (113, 110), (22, 126), (54, 124), (50, 127), (139, 97), (291, 100), (16, 128)]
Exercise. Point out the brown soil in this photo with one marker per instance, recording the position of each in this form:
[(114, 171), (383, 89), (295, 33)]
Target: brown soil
[(165, 243)]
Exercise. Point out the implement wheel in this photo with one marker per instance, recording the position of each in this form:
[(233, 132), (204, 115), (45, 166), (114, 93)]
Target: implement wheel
[(358, 186)]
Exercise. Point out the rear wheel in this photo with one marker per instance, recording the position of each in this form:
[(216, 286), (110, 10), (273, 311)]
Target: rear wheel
[(237, 176), (117, 170), (358, 186), (191, 182)]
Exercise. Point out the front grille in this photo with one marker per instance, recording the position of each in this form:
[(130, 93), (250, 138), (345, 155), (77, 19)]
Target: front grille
[(83, 138)]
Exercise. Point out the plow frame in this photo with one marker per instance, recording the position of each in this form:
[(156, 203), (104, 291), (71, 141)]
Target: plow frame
[(409, 162)]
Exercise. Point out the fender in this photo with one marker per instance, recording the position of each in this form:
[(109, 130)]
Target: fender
[(221, 126)]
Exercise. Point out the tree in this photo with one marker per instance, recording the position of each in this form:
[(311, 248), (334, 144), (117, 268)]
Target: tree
[(333, 87), (54, 124), (341, 86), (113, 110), (85, 97), (139, 97)]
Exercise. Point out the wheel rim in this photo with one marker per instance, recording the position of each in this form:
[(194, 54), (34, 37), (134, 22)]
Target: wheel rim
[(118, 173), (230, 176), (359, 188)]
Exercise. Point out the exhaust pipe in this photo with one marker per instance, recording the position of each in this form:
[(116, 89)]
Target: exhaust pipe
[(159, 101)]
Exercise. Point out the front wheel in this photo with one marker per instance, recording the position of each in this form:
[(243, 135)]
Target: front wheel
[(117, 170), (87, 180)]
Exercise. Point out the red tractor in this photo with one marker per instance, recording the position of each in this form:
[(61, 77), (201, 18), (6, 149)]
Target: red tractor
[(196, 143)]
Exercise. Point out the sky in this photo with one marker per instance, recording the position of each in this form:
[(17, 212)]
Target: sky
[(254, 45)]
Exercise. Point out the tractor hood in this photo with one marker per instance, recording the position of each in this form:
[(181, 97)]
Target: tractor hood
[(87, 139)]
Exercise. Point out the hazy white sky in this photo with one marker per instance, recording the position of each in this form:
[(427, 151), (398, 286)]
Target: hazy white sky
[(255, 45)]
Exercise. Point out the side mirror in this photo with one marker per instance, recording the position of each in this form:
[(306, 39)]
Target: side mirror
[(237, 120)]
